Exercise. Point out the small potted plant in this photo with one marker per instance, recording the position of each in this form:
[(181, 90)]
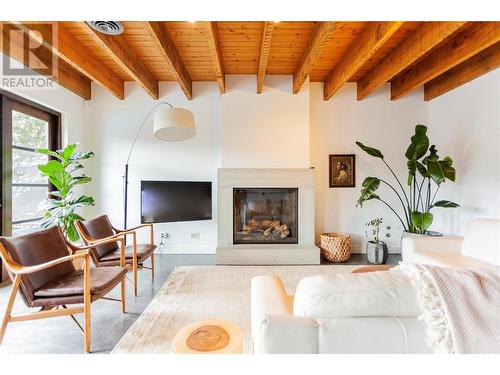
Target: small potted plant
[(376, 250)]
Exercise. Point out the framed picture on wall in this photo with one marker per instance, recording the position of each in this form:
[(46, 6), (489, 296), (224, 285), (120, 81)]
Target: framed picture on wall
[(342, 170)]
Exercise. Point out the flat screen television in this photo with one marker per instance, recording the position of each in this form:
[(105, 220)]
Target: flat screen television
[(169, 201)]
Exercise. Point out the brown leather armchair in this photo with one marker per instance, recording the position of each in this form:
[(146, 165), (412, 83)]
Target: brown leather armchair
[(41, 266), (100, 228)]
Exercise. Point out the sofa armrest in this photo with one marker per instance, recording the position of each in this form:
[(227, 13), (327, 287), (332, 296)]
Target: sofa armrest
[(288, 334), (412, 245), (268, 297)]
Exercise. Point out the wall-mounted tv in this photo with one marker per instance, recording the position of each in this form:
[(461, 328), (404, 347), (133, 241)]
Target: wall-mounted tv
[(169, 201)]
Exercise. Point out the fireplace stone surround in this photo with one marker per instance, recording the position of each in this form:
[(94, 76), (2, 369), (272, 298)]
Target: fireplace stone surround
[(303, 251)]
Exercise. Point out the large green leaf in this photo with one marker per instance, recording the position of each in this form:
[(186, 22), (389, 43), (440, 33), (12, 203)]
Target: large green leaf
[(68, 152), (78, 180), (46, 151), (83, 200), (432, 155), (422, 170), (445, 204), (51, 167), (412, 168), (421, 220), (419, 143), (370, 185), (439, 170), (370, 150)]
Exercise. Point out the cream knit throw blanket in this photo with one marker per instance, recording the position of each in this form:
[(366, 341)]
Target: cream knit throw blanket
[(461, 307)]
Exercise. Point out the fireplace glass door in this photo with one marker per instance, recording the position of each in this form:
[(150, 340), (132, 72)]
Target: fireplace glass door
[(265, 216)]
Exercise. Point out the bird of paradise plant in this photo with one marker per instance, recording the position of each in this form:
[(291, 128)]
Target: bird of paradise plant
[(426, 174)]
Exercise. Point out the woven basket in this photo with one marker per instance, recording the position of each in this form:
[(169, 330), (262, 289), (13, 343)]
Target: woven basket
[(336, 247)]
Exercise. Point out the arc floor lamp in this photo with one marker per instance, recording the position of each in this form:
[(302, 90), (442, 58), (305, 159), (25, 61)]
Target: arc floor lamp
[(171, 124)]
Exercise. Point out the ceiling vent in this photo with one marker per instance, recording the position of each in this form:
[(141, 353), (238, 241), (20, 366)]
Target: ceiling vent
[(107, 27)]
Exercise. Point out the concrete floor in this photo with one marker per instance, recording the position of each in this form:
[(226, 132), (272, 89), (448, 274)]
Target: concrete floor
[(61, 335)]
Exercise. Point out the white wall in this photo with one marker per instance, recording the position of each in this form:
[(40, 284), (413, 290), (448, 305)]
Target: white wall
[(466, 125), (269, 130), (376, 121), (113, 125), (238, 129)]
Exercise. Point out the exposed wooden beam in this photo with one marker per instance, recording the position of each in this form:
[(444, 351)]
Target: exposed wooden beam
[(265, 48), (62, 73), (123, 55), (215, 50), (318, 40), (471, 41), (165, 44), (69, 49), (372, 38), (413, 47), (476, 66)]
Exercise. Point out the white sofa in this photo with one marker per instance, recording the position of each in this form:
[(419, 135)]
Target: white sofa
[(479, 248), (346, 313)]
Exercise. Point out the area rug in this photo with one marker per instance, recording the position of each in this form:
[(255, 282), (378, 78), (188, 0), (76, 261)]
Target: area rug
[(206, 292)]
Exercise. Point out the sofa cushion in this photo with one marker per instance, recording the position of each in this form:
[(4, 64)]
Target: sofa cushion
[(482, 241), (385, 293)]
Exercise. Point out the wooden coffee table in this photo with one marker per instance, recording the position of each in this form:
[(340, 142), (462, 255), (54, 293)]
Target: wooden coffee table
[(209, 337)]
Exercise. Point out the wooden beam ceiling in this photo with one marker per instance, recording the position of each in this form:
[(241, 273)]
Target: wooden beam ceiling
[(212, 32), (265, 48), (162, 39), (64, 74), (410, 50), (482, 63), (469, 42), (372, 38), (437, 55), (317, 42), (124, 56), (69, 49)]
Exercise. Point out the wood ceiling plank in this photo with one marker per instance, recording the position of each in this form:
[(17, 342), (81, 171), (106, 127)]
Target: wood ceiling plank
[(66, 75), (412, 48), (317, 42), (265, 48), (212, 33), (117, 48), (472, 40), (162, 38), (482, 63), (69, 49), (372, 38)]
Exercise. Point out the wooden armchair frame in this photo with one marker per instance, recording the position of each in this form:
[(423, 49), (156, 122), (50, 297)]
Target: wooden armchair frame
[(122, 233), (76, 253)]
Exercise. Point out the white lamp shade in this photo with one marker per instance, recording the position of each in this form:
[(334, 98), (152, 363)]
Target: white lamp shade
[(174, 124)]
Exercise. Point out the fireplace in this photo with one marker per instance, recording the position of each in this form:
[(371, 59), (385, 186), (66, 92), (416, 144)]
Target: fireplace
[(265, 216)]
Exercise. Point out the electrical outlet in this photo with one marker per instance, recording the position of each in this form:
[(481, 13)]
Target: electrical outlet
[(165, 235), (195, 236)]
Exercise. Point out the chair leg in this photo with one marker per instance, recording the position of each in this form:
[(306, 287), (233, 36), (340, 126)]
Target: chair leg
[(122, 285), (8, 308), (153, 266), (134, 269), (87, 302)]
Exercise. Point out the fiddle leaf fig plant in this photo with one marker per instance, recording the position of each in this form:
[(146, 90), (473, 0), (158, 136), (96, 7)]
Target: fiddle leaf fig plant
[(63, 173), (426, 173)]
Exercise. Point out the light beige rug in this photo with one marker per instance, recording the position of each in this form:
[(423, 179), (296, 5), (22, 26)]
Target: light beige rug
[(206, 292)]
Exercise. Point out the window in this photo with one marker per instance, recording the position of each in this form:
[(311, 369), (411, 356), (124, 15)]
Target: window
[(25, 127)]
